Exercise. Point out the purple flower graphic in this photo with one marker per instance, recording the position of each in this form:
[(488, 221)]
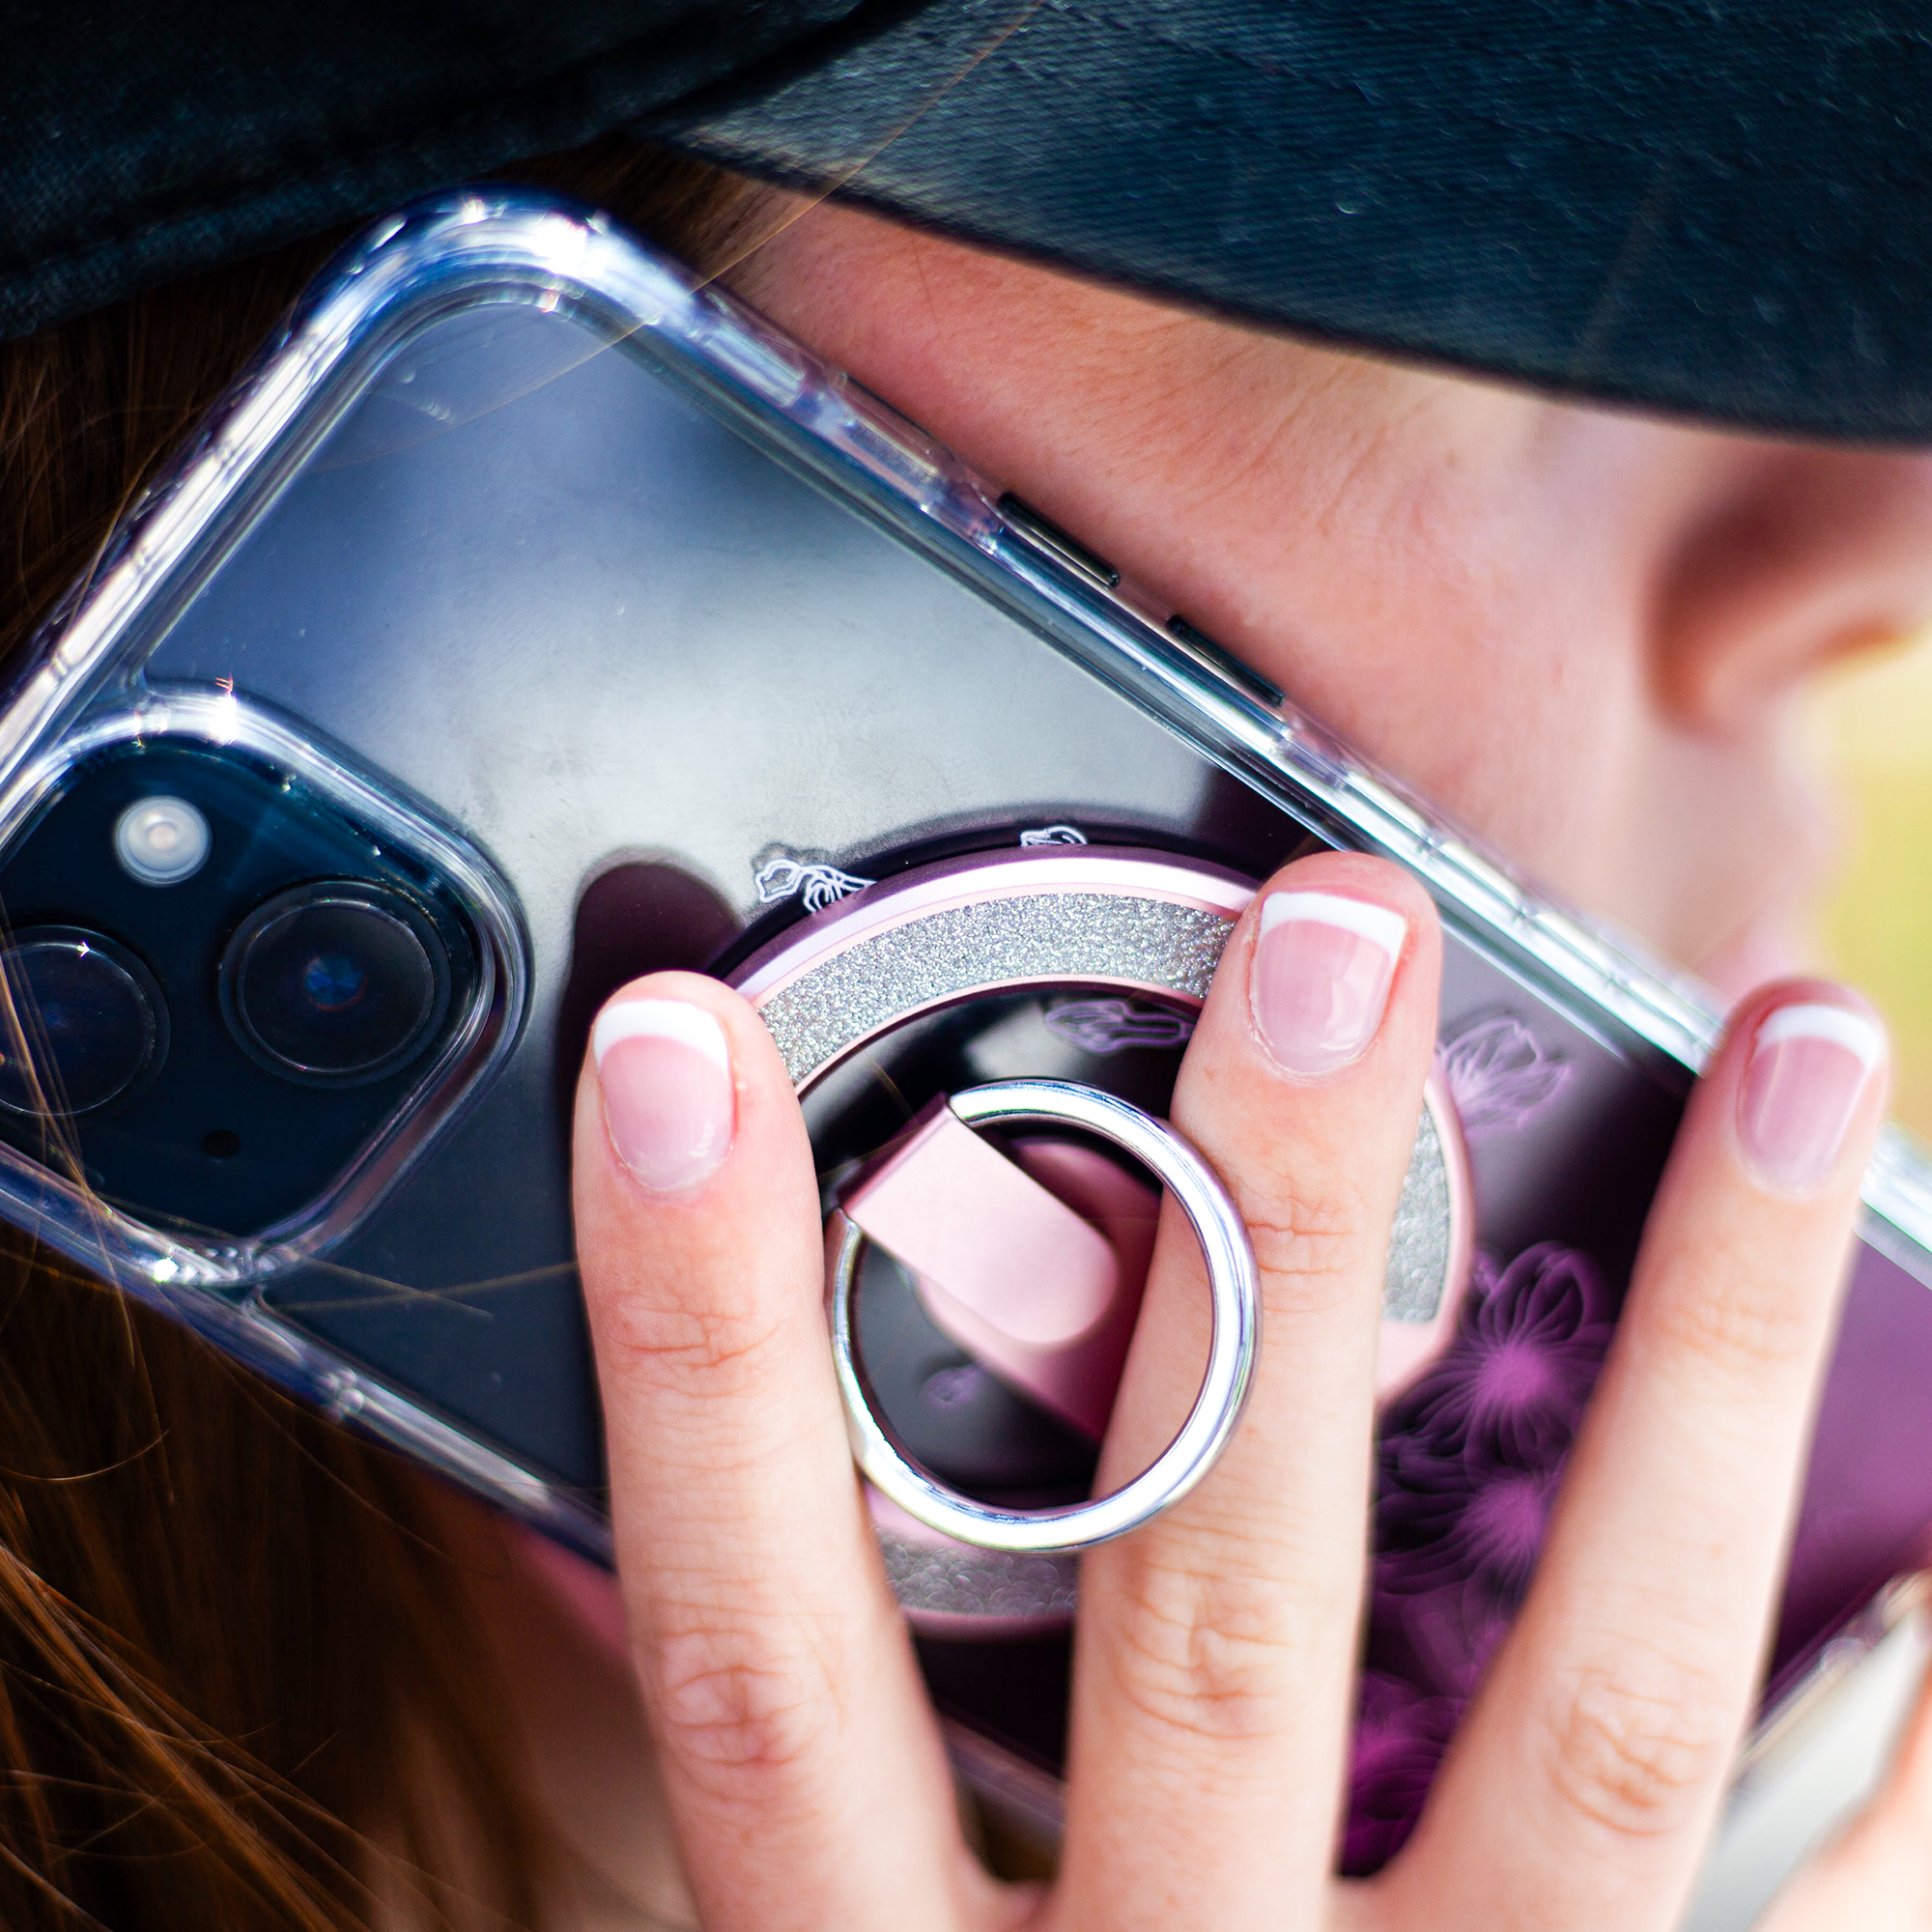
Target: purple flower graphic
[(1511, 1387), (1499, 1075), (1470, 1461), (1445, 1637), (1501, 1530), (1401, 1734), (1471, 1458), (1110, 1026), (1485, 1528)]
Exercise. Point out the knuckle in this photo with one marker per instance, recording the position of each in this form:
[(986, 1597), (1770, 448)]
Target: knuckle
[(1739, 1326), (1637, 1743), (1208, 1658), (720, 1347), (1316, 1250), (737, 1702)]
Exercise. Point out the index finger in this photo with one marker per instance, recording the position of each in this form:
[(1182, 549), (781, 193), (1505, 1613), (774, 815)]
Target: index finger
[(805, 1773)]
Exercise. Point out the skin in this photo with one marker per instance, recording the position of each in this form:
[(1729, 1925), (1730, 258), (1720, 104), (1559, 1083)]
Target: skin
[(1583, 634), (1577, 632)]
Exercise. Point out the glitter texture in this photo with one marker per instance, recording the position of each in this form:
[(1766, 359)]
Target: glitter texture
[(955, 1580), (963, 949), (1417, 1270)]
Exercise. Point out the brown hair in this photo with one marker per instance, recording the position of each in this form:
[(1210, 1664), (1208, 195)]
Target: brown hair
[(242, 1681)]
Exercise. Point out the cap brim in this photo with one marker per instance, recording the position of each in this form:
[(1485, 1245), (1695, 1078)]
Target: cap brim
[(1715, 211)]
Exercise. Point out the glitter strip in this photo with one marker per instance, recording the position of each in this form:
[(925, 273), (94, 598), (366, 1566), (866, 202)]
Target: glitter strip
[(954, 1580), (1090, 938)]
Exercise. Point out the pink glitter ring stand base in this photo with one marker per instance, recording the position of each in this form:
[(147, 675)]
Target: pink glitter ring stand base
[(1132, 937)]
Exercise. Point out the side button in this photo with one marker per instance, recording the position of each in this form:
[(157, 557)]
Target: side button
[(1225, 661), (1048, 536)]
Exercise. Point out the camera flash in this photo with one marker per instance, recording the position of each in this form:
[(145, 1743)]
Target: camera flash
[(160, 841)]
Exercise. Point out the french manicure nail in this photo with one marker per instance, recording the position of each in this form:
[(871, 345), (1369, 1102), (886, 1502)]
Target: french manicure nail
[(667, 1078), (1320, 977), (1809, 1067)]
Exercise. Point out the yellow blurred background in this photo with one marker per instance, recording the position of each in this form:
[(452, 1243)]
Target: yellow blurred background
[(1875, 723)]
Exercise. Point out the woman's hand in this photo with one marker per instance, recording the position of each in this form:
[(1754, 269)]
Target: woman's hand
[(1216, 1648)]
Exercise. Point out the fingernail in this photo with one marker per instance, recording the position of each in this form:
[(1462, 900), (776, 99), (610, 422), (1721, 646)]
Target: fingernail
[(1320, 977), (667, 1078), (1809, 1067)]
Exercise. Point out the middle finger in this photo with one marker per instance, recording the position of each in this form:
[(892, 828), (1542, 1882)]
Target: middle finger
[(1214, 1648)]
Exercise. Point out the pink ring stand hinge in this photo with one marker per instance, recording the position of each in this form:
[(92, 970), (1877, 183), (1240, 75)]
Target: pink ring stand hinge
[(1036, 1265), (1033, 1266)]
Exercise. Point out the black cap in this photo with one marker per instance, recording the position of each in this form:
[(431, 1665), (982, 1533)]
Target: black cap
[(1700, 206)]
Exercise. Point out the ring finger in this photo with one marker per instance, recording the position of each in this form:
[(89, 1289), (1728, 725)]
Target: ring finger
[(1584, 1782)]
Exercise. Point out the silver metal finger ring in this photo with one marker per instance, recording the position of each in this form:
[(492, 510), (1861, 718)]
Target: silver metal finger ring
[(1234, 1300)]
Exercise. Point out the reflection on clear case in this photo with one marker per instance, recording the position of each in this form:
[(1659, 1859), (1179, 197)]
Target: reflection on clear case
[(528, 619)]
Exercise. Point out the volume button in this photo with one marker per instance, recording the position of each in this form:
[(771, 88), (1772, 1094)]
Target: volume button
[(1223, 660), (1045, 535)]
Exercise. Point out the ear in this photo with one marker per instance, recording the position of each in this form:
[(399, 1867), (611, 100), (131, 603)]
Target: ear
[(1809, 555)]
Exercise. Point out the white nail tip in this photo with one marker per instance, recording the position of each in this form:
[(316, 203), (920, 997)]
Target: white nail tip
[(661, 1019), (1375, 924), (1852, 1030)]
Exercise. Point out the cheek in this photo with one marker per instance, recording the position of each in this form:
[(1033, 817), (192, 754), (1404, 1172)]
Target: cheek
[(1480, 643), (1438, 570)]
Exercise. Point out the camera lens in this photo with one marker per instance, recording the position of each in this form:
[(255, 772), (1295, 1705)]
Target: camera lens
[(337, 983), (91, 1017)]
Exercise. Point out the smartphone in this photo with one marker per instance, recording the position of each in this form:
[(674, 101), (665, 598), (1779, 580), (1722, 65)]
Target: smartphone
[(530, 616)]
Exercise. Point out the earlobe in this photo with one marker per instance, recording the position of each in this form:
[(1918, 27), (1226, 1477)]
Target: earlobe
[(1806, 556)]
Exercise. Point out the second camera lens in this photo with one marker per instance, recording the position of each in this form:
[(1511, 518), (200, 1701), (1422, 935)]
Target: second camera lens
[(338, 983), (90, 1018)]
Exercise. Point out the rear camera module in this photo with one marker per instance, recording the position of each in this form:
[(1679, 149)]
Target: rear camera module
[(161, 840), (334, 983), (90, 1017)]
